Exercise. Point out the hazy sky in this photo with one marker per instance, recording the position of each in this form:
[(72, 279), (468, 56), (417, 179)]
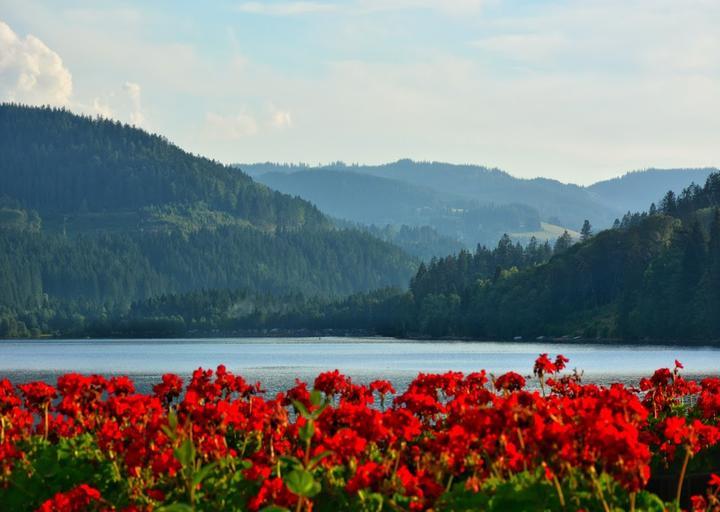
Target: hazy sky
[(574, 90)]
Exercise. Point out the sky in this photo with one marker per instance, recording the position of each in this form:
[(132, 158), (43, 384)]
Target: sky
[(578, 90)]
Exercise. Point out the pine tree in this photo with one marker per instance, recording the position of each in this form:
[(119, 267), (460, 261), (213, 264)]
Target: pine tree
[(586, 231), (668, 205), (563, 243)]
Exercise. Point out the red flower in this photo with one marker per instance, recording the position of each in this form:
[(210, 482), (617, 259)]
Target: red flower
[(366, 476), (331, 383), (75, 500), (169, 389), (714, 481), (510, 381), (37, 395)]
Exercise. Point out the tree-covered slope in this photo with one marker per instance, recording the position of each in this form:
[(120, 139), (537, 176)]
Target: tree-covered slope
[(559, 203), (374, 200), (104, 214), (54, 161), (635, 190), (655, 276)]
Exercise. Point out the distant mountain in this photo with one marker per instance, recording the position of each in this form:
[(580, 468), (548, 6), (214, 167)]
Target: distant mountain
[(105, 214), (359, 197), (636, 190), (656, 276), (554, 202), (436, 183), (374, 200)]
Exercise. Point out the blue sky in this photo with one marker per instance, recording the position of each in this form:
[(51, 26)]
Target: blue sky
[(574, 90)]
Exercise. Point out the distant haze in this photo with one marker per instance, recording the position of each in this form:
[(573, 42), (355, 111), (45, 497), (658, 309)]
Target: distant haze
[(472, 203), (574, 91)]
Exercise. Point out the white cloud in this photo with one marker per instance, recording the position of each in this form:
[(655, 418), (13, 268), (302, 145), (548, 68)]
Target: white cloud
[(230, 128), (100, 108), (123, 104), (285, 8), (30, 72), (133, 92), (604, 85), (280, 118)]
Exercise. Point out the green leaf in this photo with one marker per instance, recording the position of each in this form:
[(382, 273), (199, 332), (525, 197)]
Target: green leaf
[(301, 409), (317, 412), (316, 397), (175, 507), (290, 460), (306, 431), (185, 453), (370, 501), (320, 456), (650, 502), (203, 473), (170, 429), (274, 508), (302, 483), (172, 420)]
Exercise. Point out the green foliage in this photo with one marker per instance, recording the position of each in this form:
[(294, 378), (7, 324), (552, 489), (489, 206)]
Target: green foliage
[(653, 277), (57, 162), (534, 491), (128, 217), (58, 467)]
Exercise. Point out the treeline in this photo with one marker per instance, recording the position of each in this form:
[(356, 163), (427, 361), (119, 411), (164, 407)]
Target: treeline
[(655, 276), (224, 311), (96, 215), (111, 271)]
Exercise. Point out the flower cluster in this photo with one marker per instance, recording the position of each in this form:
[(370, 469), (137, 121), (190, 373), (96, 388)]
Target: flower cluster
[(448, 442)]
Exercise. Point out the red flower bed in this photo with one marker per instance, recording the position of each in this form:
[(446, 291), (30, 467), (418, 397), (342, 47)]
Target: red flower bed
[(448, 442)]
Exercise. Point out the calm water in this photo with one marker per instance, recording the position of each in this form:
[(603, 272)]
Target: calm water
[(277, 362)]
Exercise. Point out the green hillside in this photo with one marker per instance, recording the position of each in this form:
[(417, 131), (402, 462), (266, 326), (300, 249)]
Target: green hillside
[(98, 214), (635, 190), (373, 200), (653, 276)]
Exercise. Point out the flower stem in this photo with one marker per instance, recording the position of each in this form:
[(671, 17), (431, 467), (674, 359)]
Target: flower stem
[(598, 487), (47, 420), (688, 454), (561, 496)]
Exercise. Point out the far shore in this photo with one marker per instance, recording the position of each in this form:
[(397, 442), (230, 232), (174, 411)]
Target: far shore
[(371, 336)]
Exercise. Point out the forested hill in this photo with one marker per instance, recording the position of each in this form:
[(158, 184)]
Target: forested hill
[(557, 203), (635, 190), (653, 276), (57, 162), (373, 200), (95, 215), (656, 275)]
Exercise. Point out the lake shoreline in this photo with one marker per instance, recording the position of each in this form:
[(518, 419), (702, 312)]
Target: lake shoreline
[(361, 333)]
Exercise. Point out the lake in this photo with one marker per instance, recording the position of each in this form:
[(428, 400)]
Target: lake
[(276, 363)]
